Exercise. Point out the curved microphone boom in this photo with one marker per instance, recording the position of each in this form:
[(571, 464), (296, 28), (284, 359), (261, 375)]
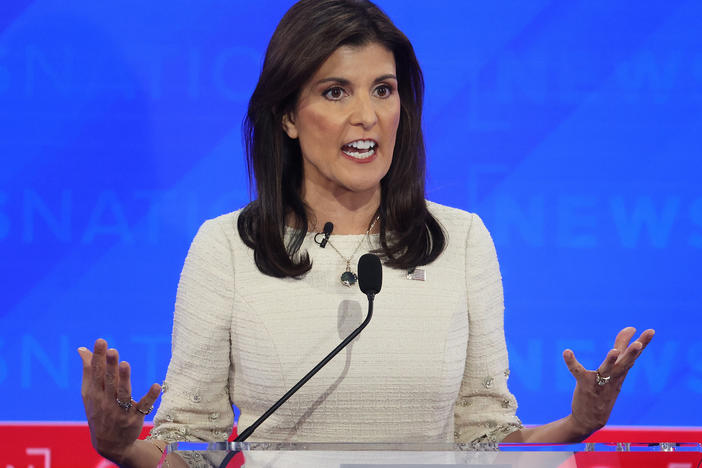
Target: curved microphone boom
[(370, 279)]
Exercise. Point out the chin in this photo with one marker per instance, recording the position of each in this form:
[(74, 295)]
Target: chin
[(362, 186), (363, 181)]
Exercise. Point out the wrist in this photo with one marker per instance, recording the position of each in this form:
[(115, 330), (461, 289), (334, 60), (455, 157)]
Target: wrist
[(578, 429), (123, 457)]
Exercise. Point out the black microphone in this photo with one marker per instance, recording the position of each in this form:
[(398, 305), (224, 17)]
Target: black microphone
[(370, 275), (328, 228), (370, 279)]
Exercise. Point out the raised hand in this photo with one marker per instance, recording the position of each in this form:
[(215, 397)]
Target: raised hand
[(596, 391), (115, 420)]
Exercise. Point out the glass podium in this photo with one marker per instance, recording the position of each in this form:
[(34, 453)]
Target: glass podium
[(433, 455)]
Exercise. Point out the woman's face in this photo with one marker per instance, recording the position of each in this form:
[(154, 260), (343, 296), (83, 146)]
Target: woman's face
[(346, 121)]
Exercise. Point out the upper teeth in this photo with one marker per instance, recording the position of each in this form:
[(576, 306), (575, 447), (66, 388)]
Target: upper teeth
[(362, 144)]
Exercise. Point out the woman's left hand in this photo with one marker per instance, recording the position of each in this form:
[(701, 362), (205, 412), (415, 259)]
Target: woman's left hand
[(596, 391)]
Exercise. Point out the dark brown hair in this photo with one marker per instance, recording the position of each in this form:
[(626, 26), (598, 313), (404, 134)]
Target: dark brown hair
[(306, 36)]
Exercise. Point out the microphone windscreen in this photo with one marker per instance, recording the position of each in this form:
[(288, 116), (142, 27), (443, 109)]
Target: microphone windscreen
[(370, 274), (328, 228)]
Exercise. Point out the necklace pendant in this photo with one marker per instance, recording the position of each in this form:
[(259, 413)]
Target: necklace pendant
[(348, 278)]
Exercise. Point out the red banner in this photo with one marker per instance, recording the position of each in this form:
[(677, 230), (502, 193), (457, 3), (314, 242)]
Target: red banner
[(67, 445)]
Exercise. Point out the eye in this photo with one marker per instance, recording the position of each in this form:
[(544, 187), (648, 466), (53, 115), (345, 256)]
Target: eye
[(383, 91), (334, 93)]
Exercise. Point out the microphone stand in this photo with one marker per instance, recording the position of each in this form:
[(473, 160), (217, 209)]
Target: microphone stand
[(249, 430)]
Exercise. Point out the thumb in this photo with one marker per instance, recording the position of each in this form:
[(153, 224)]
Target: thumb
[(86, 357), (574, 366)]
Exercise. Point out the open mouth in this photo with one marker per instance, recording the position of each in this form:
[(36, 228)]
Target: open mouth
[(360, 149)]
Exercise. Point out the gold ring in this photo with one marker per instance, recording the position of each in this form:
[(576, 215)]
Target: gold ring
[(144, 412)]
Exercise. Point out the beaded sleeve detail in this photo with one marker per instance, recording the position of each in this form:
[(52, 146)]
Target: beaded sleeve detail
[(485, 409), (197, 382)]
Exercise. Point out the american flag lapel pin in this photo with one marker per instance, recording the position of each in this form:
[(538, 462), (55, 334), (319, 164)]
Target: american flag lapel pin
[(416, 274)]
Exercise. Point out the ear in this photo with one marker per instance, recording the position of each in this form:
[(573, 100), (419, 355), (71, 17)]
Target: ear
[(289, 126)]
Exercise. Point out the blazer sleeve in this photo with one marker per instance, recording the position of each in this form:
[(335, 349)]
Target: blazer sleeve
[(195, 404), (485, 409)]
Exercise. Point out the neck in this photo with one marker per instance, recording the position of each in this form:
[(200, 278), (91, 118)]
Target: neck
[(351, 213)]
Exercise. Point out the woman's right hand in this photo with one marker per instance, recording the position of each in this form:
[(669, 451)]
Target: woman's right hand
[(115, 420)]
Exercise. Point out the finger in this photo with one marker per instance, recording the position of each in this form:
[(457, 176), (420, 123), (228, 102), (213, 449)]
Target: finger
[(146, 402), (86, 356), (111, 372), (629, 356), (574, 366), (633, 351), (646, 337), (607, 365), (124, 386), (97, 363), (623, 338)]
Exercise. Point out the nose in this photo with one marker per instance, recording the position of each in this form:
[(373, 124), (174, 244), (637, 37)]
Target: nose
[(364, 112)]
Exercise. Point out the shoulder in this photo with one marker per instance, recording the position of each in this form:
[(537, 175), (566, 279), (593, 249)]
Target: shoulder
[(458, 223), (224, 221), (449, 214), (219, 232)]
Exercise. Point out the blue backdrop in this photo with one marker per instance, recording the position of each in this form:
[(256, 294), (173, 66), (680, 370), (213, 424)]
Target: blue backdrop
[(572, 128)]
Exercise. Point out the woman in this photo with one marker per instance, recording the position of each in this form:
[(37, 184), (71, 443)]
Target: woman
[(334, 135)]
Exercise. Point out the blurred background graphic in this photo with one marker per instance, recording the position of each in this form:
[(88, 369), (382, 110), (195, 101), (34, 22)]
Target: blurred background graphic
[(572, 128)]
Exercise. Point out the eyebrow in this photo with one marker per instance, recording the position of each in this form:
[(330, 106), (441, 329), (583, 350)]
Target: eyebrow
[(345, 82)]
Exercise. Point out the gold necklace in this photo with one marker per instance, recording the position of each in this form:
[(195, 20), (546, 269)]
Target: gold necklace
[(348, 278)]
